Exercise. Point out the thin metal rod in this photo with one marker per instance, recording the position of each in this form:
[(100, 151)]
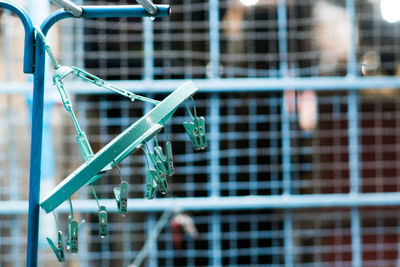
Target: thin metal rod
[(229, 85), (152, 238), (225, 203)]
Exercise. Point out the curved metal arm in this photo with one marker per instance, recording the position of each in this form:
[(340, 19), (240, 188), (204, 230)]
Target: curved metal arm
[(29, 33)]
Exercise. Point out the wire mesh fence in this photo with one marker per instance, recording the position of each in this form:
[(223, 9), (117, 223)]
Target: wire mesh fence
[(278, 142)]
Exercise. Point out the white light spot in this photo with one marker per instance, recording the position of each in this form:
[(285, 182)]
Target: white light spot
[(249, 2), (390, 10)]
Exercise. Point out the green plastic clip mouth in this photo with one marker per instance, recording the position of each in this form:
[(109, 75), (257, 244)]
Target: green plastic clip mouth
[(59, 249)]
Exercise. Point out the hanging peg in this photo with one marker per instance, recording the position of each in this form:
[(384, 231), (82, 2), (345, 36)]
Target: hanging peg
[(201, 126), (161, 173), (196, 129), (192, 131), (169, 159), (72, 233), (151, 184), (59, 249), (102, 216), (121, 196), (102, 221)]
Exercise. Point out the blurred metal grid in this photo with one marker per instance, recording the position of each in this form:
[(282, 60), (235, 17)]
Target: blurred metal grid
[(257, 142)]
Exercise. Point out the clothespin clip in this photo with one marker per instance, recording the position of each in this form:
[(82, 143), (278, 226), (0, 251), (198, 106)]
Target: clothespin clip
[(161, 173), (121, 196), (72, 235), (102, 221), (73, 229), (196, 129), (156, 175), (151, 184), (102, 216), (201, 126), (59, 249), (167, 159)]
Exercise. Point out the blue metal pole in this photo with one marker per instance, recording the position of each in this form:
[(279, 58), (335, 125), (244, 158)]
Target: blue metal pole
[(36, 155)]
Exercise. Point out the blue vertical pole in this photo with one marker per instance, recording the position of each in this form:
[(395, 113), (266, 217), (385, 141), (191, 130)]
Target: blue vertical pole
[(282, 38), (354, 160), (286, 147), (214, 183), (148, 49), (214, 38), (36, 155)]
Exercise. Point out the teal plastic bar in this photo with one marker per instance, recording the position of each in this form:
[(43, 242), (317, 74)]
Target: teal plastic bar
[(124, 144)]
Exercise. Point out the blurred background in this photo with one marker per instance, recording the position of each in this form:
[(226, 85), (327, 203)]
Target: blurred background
[(301, 102)]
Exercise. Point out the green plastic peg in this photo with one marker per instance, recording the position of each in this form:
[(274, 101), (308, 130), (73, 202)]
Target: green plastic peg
[(201, 126), (196, 130), (192, 131), (72, 236), (169, 159), (59, 249), (158, 152), (121, 196), (151, 184), (166, 160), (102, 221)]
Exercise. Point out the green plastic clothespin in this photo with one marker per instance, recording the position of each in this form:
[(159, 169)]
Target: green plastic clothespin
[(196, 129), (102, 221), (59, 249), (121, 196), (151, 184), (161, 173), (170, 159), (72, 233), (166, 160)]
